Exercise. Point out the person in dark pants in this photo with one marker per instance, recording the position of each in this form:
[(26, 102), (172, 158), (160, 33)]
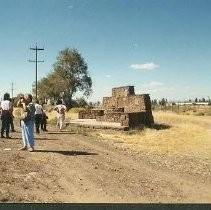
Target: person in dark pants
[(6, 111), (44, 121), (38, 116), (11, 119)]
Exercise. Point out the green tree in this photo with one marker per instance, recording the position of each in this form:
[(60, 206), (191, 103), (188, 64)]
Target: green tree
[(81, 102), (163, 102), (50, 86), (69, 75), (73, 71), (154, 102)]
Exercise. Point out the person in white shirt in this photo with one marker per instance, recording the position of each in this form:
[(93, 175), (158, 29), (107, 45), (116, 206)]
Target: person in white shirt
[(6, 114), (38, 116), (60, 109)]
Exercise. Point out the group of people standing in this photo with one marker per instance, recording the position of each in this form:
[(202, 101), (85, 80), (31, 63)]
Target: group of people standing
[(40, 118), (31, 114)]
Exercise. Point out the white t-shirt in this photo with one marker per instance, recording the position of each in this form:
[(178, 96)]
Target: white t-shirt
[(6, 105), (61, 108), (38, 109)]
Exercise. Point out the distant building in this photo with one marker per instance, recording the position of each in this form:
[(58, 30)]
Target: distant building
[(192, 103)]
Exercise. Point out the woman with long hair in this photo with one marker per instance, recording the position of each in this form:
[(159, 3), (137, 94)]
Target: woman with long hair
[(27, 122)]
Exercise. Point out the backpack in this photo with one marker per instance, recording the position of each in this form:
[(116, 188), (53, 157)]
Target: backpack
[(61, 110), (29, 113)]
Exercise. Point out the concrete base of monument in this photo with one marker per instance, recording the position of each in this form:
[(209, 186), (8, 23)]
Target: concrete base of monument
[(93, 123)]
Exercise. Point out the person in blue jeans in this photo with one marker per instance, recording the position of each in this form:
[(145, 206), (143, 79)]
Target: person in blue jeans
[(27, 122)]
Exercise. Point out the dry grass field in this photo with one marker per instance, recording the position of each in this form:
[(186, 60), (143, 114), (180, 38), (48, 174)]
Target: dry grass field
[(174, 133), (170, 163), (186, 133), (183, 134)]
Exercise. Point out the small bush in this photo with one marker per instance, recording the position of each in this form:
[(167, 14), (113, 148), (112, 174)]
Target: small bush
[(200, 114)]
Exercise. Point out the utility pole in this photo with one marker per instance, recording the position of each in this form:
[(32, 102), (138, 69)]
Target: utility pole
[(12, 89), (36, 62)]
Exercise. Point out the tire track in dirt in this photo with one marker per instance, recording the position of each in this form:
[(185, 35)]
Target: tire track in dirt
[(69, 167), (123, 179), (162, 183)]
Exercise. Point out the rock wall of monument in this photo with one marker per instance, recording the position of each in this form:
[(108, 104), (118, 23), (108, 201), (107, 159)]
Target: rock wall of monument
[(123, 91), (132, 120), (124, 107), (132, 103), (90, 114)]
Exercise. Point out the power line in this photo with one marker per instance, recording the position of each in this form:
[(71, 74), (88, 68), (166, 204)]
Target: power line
[(36, 62)]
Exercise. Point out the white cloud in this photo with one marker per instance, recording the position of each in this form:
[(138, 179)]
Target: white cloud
[(156, 87), (144, 66), (154, 84), (135, 45), (108, 76), (70, 6), (25, 32)]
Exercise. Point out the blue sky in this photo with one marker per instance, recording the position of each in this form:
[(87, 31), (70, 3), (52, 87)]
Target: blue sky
[(162, 47)]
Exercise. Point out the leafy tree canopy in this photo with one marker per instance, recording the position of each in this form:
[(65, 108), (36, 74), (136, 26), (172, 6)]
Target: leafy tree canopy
[(69, 75)]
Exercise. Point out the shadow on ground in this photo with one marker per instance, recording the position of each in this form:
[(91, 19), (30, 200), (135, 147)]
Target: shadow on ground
[(68, 153), (61, 132), (44, 138), (36, 138), (161, 126)]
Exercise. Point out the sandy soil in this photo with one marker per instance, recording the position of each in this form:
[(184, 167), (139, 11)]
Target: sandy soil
[(70, 167)]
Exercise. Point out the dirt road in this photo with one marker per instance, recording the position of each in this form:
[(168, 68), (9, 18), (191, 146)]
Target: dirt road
[(69, 167)]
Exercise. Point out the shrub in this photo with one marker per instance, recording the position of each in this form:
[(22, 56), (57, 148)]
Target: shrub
[(200, 114)]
